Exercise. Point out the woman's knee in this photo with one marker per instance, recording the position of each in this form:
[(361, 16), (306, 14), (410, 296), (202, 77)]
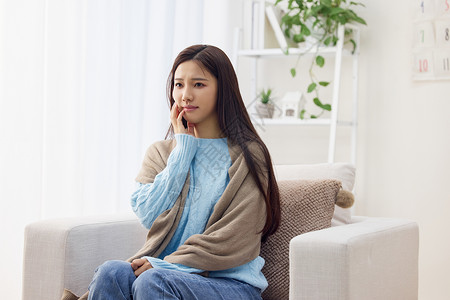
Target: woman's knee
[(113, 268), (149, 277), (113, 278), (154, 282), (113, 271)]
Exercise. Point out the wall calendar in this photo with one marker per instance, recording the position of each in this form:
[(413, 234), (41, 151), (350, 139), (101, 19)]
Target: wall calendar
[(431, 45)]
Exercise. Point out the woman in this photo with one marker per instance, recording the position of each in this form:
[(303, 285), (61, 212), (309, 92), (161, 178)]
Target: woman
[(207, 195)]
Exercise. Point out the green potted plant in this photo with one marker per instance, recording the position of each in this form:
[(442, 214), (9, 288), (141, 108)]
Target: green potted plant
[(265, 106), (317, 22)]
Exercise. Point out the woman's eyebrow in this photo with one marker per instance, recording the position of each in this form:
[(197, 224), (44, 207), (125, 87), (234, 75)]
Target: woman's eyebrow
[(195, 78)]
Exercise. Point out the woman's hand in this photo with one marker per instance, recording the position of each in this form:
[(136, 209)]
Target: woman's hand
[(140, 265), (176, 118)]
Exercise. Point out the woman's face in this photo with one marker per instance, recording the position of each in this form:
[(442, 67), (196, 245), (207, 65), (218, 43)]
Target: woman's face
[(195, 91)]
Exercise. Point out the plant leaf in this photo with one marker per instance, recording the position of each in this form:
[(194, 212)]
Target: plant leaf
[(305, 30), (320, 61), (353, 3), (290, 3), (313, 117), (286, 19), (335, 39), (302, 114), (354, 17), (293, 72), (298, 38), (336, 10), (324, 83), (354, 45), (312, 87), (327, 107), (287, 32), (317, 102), (296, 20)]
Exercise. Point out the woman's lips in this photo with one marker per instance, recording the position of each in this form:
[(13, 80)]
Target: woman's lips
[(189, 108)]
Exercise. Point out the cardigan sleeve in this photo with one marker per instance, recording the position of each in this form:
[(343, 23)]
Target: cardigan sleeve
[(153, 198)]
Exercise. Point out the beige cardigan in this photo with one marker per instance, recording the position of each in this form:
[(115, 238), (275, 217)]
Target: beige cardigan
[(232, 236)]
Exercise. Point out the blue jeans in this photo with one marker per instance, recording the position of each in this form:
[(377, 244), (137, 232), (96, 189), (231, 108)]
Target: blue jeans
[(115, 280)]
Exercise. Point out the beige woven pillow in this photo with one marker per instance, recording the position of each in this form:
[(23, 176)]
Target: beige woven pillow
[(343, 172), (306, 205)]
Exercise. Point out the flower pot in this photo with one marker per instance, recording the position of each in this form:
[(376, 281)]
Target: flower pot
[(316, 35), (265, 110)]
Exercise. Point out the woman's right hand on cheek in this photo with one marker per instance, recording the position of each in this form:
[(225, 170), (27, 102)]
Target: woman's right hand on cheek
[(176, 118)]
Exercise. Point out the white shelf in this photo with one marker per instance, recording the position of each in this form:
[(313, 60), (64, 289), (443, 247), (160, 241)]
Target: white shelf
[(287, 121), (257, 52)]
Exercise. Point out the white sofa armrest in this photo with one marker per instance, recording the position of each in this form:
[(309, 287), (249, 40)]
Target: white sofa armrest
[(372, 258), (64, 253)]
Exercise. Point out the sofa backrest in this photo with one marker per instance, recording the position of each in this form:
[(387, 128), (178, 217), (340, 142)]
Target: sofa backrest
[(340, 171), (343, 172)]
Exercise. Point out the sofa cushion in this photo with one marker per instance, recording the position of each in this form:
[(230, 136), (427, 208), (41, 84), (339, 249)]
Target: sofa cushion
[(306, 205), (339, 171)]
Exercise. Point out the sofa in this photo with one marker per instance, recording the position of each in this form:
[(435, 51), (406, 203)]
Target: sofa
[(353, 258)]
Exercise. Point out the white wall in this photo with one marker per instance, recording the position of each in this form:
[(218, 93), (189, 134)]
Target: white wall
[(405, 141), (403, 163)]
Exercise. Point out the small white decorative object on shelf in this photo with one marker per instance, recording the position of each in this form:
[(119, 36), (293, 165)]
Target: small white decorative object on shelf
[(291, 104)]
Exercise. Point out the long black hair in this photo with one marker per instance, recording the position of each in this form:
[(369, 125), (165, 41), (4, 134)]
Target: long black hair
[(234, 122)]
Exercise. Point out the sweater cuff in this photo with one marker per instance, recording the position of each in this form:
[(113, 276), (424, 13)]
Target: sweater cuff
[(158, 263), (185, 149)]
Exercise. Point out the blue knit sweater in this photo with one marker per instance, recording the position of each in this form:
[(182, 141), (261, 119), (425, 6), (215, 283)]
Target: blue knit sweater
[(207, 161)]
